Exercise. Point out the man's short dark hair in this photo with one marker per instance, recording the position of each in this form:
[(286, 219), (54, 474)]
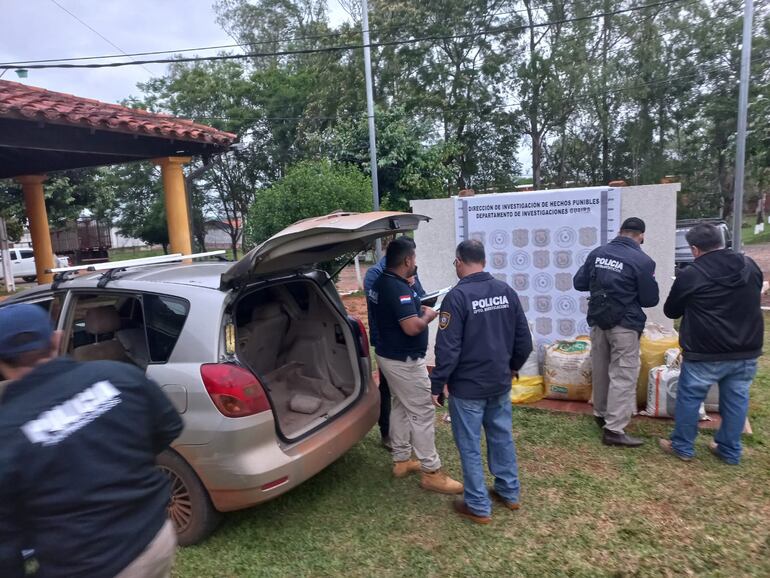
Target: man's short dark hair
[(27, 359), (398, 250), (705, 237), (471, 251)]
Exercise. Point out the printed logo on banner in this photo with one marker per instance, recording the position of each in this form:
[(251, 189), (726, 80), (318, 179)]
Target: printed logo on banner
[(538, 240)]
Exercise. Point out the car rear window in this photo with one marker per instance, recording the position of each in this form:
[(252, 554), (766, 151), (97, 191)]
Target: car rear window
[(164, 318)]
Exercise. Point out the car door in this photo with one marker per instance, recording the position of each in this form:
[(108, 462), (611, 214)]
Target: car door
[(25, 264), (316, 240)]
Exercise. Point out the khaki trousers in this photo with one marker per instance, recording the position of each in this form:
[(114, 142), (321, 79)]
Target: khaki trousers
[(615, 365), (412, 414), (157, 559)]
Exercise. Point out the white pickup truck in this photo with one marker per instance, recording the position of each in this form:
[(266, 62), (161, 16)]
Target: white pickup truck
[(23, 264)]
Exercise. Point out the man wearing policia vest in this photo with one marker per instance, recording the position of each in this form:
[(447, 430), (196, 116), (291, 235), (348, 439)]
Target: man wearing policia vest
[(621, 280)]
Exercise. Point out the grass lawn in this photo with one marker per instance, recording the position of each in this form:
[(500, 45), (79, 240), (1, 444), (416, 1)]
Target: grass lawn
[(749, 238), (587, 510)]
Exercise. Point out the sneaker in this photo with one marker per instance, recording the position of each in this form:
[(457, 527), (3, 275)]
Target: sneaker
[(439, 482), (460, 507), (403, 469), (611, 438), (665, 445), (498, 498)]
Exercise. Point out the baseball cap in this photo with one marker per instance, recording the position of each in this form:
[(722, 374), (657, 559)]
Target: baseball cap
[(633, 224), (23, 327)]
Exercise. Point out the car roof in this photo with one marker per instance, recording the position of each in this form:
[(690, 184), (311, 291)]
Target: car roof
[(203, 275)]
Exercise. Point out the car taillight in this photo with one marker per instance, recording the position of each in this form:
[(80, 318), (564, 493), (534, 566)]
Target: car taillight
[(234, 389), (363, 339)]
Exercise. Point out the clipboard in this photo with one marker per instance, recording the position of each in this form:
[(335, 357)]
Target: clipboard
[(430, 299)]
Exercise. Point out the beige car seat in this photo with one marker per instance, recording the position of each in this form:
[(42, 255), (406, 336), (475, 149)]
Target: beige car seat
[(100, 320), (260, 340)]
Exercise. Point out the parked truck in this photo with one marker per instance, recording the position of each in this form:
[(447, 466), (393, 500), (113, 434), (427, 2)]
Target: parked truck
[(84, 241)]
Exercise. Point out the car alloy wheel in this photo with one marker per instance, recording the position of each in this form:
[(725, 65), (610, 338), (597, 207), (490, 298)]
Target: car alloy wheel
[(180, 506)]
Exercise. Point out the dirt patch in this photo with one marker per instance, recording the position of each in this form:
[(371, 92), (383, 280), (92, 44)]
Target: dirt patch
[(347, 281), (356, 306)]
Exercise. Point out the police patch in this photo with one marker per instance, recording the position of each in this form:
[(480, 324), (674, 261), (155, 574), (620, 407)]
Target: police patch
[(444, 319)]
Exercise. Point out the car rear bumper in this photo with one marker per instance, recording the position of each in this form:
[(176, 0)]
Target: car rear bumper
[(260, 472)]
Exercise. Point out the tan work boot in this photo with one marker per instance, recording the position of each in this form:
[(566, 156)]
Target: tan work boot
[(461, 508), (403, 469), (439, 482)]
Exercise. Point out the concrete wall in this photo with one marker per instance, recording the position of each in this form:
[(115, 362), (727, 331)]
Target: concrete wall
[(656, 204)]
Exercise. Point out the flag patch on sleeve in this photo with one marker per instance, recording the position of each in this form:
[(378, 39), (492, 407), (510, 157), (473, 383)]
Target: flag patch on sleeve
[(405, 299)]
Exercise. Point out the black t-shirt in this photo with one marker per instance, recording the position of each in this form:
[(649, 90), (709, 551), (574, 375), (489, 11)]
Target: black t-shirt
[(78, 481), (394, 300)]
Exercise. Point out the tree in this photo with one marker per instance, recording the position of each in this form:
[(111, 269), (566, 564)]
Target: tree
[(141, 212), (451, 78), (407, 167), (309, 189)]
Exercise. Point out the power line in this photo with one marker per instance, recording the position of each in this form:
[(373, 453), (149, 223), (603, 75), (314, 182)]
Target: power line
[(363, 115), (237, 44), (339, 48), (99, 34)]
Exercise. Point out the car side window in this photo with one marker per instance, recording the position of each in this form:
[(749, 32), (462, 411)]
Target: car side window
[(52, 304), (164, 319), (26, 254)]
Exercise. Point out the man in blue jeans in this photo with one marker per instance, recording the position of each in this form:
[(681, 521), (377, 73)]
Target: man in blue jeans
[(718, 298), (483, 339)]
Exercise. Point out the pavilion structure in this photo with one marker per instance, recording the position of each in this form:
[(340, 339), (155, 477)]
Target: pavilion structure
[(42, 131)]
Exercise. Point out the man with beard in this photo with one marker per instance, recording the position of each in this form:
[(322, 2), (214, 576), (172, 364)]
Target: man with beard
[(402, 323)]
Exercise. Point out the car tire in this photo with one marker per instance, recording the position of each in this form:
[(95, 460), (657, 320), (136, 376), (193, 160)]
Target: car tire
[(30, 278), (191, 510)]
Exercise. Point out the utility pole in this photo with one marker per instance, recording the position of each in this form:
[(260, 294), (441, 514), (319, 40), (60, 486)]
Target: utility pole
[(370, 113), (740, 139)]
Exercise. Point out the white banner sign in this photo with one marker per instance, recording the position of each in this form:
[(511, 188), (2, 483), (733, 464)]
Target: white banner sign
[(536, 241)]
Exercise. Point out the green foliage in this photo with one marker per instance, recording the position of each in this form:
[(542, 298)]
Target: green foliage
[(142, 212), (407, 167), (636, 96), (309, 189)]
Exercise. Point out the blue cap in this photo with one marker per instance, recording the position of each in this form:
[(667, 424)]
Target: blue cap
[(23, 327)]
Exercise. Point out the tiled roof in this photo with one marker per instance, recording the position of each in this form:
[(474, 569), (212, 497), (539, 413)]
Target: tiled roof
[(30, 102)]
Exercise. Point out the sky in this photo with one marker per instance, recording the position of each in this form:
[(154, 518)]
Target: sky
[(39, 29)]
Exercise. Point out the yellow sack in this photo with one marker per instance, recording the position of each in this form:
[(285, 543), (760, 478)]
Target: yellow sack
[(655, 341), (527, 389)]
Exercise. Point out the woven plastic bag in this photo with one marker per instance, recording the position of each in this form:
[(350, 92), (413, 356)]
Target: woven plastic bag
[(529, 387), (654, 343), (567, 371)]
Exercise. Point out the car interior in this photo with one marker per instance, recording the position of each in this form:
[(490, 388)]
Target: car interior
[(301, 349), (129, 328)]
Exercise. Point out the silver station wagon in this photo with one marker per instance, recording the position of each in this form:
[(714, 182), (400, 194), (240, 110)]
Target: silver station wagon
[(270, 374)]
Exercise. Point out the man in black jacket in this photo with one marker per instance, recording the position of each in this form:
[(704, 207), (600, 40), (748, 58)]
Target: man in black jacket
[(78, 481), (718, 298), (621, 279), (483, 338)]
